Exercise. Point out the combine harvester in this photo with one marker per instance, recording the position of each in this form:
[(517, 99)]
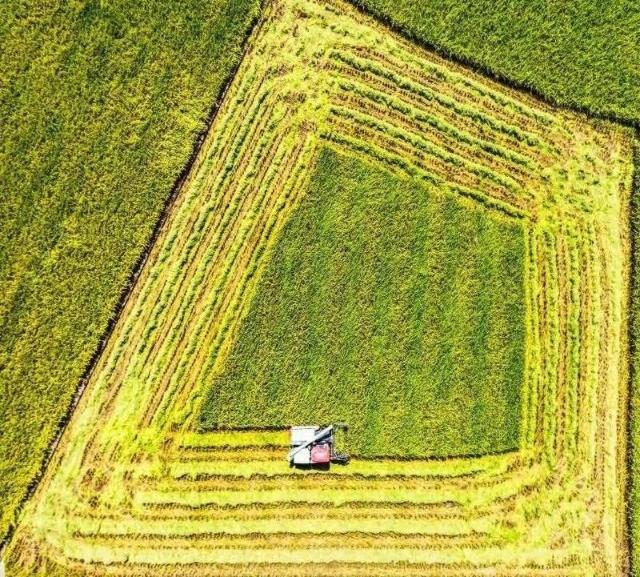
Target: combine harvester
[(312, 445)]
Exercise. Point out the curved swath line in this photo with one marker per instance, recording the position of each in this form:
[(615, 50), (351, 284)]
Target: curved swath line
[(396, 164), (438, 172), (554, 308), (603, 387), (379, 74), (119, 525), (439, 81), (504, 187), (445, 135), (468, 131)]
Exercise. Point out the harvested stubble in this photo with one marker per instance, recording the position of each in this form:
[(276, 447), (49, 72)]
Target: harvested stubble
[(134, 491)]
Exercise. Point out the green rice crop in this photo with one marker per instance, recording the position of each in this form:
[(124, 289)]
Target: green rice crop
[(388, 305), (100, 105)]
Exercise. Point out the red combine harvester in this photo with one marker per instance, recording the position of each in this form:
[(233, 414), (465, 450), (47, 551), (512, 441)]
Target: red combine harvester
[(315, 446)]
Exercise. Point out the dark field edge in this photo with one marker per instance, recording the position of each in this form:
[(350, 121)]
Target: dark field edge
[(127, 289), (633, 410), (491, 73)]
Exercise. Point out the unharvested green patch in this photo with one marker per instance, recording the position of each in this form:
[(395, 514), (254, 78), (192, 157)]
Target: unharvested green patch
[(389, 306)]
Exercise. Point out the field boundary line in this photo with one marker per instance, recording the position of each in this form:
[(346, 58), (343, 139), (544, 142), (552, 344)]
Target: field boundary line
[(131, 283), (488, 72)]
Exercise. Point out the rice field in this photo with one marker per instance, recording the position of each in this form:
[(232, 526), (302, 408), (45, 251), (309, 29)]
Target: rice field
[(387, 306), (100, 110), (136, 487)]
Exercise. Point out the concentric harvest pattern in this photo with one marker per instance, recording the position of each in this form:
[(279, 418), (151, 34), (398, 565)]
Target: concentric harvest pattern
[(133, 490)]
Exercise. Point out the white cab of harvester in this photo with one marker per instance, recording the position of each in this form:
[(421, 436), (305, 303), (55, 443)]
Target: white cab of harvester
[(302, 436)]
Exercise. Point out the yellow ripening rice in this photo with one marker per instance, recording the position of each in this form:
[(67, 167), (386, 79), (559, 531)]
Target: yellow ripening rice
[(134, 490)]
